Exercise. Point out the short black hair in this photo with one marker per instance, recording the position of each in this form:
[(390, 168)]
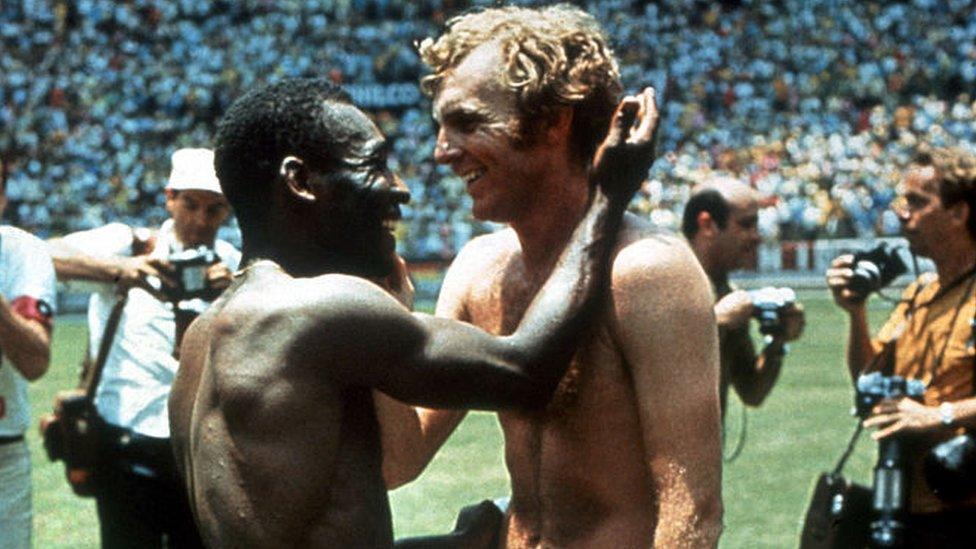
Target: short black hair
[(262, 127), (707, 200)]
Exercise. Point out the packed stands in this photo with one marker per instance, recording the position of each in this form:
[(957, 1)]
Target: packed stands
[(817, 103)]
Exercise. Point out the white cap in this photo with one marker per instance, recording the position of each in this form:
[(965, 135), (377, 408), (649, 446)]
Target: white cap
[(193, 169)]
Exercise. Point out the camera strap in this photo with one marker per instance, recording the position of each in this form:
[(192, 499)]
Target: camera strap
[(971, 275), (90, 383), (848, 450)]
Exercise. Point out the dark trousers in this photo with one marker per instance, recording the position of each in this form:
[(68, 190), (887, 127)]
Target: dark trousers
[(141, 501)]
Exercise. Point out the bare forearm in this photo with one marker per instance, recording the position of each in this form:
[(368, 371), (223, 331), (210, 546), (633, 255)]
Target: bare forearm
[(25, 342), (557, 313), (72, 264), (859, 349), (763, 372)]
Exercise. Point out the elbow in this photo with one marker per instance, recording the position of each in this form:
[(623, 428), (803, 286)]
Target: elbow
[(711, 522), (395, 477), (35, 367)]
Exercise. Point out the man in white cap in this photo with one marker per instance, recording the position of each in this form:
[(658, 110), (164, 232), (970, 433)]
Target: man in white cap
[(140, 502)]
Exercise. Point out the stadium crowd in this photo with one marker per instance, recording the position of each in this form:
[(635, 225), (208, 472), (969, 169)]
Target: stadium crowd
[(817, 104)]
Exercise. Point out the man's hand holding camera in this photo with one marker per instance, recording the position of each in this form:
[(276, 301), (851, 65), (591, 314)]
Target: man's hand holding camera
[(151, 274), (781, 317), (839, 277), (903, 416), (734, 310), (219, 277)]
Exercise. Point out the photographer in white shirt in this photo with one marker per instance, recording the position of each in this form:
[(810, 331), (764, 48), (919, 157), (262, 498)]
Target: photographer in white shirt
[(139, 497)]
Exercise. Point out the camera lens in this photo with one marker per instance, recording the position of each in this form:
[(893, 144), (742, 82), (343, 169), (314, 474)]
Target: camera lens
[(866, 277)]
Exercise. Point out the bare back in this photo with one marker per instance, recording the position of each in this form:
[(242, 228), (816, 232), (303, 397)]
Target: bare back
[(248, 406), (582, 472)]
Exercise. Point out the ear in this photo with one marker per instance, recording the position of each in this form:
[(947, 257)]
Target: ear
[(960, 212), (560, 125), (170, 199), (295, 175), (706, 223)]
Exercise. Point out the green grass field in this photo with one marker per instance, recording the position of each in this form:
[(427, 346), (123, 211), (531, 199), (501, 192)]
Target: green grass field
[(797, 433)]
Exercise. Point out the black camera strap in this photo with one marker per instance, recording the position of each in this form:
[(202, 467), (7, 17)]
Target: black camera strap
[(848, 450), (90, 384)]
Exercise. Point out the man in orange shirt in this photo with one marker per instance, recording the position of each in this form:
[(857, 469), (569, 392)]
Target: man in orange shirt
[(931, 334)]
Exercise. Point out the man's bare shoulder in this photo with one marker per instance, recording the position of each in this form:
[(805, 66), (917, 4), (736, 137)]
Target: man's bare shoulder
[(652, 255), (330, 295), (487, 249)]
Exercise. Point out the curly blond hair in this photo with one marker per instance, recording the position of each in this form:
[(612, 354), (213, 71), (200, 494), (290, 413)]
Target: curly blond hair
[(955, 169), (554, 56)]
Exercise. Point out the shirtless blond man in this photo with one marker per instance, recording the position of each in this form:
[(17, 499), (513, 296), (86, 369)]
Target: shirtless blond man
[(628, 452)]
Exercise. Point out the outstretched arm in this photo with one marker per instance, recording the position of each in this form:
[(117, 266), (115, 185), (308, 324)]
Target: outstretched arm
[(445, 363)]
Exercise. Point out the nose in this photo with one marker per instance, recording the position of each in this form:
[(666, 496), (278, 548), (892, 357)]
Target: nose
[(901, 209), (399, 192), (444, 151), (395, 191)]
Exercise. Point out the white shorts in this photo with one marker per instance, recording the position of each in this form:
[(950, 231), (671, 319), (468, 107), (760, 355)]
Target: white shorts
[(15, 496)]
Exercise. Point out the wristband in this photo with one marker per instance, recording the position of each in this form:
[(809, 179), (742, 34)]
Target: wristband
[(33, 309)]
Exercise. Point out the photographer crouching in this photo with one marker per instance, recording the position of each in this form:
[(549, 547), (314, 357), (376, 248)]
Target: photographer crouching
[(146, 288), (720, 222), (926, 342)]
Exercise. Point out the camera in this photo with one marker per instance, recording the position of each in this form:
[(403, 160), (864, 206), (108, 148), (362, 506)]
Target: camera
[(767, 305), (875, 268), (890, 489), (190, 268), (874, 387), (950, 468)]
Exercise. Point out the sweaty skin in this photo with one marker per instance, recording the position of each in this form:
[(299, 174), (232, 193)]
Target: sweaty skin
[(626, 454), (272, 415)]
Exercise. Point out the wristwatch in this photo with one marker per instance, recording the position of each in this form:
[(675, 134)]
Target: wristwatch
[(947, 412)]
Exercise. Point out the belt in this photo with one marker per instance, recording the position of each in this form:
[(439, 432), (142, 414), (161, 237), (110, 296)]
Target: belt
[(11, 439), (136, 453)]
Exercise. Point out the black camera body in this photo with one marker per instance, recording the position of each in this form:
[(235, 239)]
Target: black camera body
[(875, 268), (190, 269), (768, 303), (950, 468), (874, 387)]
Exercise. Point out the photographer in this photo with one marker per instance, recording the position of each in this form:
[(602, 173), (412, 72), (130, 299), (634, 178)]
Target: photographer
[(26, 300), (928, 336), (720, 222), (138, 495)]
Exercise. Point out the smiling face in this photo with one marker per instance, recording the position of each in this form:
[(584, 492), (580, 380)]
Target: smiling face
[(357, 197), (480, 138)]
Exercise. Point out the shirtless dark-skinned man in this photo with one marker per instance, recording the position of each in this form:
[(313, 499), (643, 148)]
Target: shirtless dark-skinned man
[(272, 413)]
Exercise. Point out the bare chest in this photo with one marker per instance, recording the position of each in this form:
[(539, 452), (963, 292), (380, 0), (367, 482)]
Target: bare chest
[(577, 461)]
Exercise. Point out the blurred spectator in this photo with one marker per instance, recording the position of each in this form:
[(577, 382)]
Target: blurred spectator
[(94, 93)]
